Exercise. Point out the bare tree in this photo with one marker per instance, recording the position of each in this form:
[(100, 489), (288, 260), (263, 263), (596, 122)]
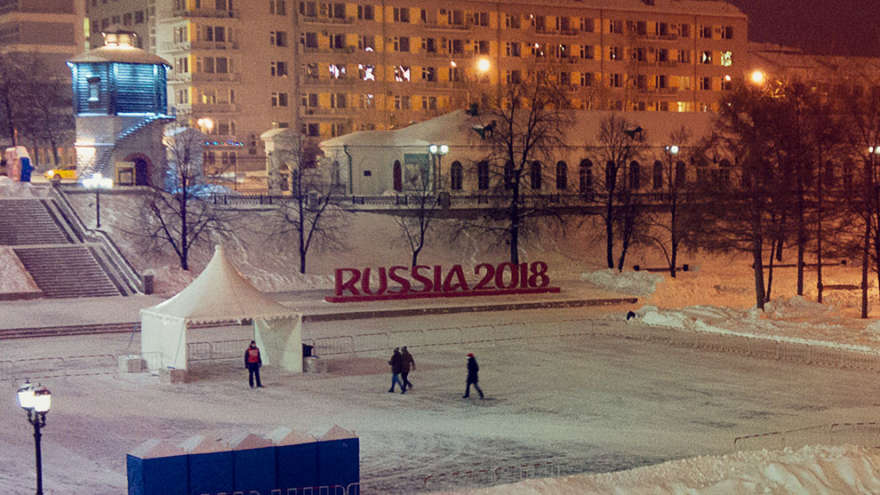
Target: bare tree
[(13, 78), (523, 125), (751, 218), (675, 222), (312, 214), (178, 211), (415, 221), (862, 111), (620, 142), (46, 101)]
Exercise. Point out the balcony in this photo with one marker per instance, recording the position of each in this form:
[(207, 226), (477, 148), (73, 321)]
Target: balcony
[(213, 13), (214, 45), (436, 26), (330, 113), (329, 21), (213, 108), (198, 77)]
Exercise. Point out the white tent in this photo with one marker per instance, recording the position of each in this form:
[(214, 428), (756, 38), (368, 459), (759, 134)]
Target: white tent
[(219, 295)]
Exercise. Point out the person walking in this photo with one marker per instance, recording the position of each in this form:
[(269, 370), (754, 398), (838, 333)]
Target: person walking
[(472, 377), (396, 363), (253, 361), (407, 364)]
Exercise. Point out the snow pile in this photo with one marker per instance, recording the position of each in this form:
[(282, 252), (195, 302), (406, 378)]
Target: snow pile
[(796, 307), (13, 276), (810, 469), (638, 283), (792, 319)]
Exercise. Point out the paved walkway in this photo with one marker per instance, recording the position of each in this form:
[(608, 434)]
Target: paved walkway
[(41, 313)]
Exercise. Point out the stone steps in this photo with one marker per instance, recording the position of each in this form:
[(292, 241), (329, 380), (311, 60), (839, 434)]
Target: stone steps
[(67, 330), (28, 221), (67, 271)]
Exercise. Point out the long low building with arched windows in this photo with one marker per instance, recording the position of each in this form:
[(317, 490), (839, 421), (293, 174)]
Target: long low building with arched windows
[(448, 154)]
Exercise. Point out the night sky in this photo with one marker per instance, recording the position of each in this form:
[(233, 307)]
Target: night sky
[(837, 27)]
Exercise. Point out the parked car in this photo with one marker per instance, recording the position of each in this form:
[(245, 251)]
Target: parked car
[(61, 173)]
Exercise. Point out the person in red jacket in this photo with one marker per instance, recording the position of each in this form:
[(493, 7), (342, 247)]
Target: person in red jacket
[(253, 361)]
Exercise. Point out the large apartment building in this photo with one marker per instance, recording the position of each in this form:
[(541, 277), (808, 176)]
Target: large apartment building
[(52, 29), (329, 68)]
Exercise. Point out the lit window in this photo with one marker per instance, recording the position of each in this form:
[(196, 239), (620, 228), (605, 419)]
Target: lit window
[(367, 72), (337, 71), (402, 73), (94, 88), (706, 57), (727, 58)]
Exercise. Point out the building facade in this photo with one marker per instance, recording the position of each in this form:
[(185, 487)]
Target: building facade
[(328, 68), (54, 29)]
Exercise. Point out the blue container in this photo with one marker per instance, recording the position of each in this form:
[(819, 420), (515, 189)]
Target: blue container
[(338, 462), (157, 475), (296, 466), (254, 470), (210, 472)]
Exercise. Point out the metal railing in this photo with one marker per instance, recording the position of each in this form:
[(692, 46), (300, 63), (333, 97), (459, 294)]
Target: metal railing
[(119, 263), (216, 350), (866, 434)]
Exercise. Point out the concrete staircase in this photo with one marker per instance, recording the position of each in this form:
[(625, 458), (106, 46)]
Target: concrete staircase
[(28, 221), (70, 270), (61, 262)]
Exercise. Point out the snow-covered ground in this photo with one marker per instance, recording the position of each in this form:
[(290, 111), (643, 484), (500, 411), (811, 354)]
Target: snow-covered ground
[(662, 419)]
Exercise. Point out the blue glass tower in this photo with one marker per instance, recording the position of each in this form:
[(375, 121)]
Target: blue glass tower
[(120, 98)]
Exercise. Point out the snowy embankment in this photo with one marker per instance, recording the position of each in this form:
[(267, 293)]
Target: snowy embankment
[(812, 469)]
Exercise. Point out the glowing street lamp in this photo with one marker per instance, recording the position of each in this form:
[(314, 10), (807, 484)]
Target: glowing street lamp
[(95, 183), (758, 77), (36, 402), (483, 65), (206, 124), (672, 149), (437, 151)]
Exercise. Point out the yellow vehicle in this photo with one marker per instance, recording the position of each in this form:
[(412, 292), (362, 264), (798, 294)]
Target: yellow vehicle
[(61, 173)]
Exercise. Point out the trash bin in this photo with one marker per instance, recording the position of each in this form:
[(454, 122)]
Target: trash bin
[(307, 350), (26, 169)]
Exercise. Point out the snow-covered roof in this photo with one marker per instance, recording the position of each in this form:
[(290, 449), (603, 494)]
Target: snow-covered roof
[(219, 293), (456, 129), (121, 54)]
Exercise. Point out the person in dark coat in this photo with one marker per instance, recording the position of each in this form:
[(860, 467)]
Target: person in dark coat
[(396, 363), (253, 361), (407, 364), (472, 376)]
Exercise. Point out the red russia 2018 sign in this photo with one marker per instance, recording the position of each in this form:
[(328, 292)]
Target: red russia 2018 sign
[(401, 282)]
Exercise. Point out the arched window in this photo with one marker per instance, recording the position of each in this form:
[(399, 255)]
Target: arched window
[(585, 176), (535, 175), (483, 176), (508, 175), (398, 176), (634, 171), (724, 170), (455, 176), (680, 174), (847, 175), (561, 176), (702, 168), (657, 182)]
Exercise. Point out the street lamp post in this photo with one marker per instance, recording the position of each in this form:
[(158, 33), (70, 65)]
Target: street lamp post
[(437, 151), (97, 182), (36, 402)]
